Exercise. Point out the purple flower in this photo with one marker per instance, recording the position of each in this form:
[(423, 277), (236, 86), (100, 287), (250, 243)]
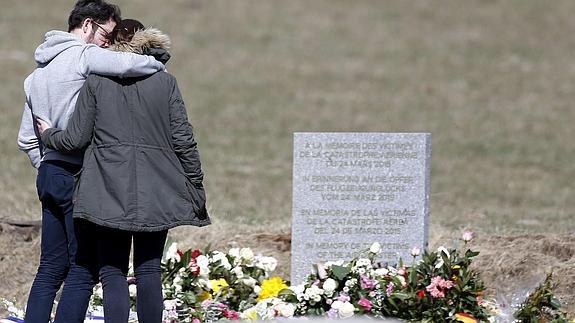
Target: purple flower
[(343, 298), (332, 313), (366, 282)]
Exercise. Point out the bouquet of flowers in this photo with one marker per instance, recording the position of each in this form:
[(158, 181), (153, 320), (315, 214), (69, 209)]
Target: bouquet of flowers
[(438, 287), (212, 285)]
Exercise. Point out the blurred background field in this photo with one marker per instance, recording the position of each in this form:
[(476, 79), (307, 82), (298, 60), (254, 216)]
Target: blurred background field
[(491, 80)]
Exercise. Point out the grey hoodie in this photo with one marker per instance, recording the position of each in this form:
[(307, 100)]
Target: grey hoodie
[(64, 62)]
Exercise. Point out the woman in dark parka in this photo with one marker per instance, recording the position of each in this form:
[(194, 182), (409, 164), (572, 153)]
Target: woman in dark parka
[(141, 174)]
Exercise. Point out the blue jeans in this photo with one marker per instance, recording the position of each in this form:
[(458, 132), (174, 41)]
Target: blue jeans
[(55, 185)]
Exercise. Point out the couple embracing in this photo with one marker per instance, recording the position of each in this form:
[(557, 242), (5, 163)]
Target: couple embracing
[(117, 162)]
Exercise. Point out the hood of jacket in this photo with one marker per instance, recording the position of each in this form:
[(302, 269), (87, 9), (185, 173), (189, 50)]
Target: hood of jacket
[(149, 41), (55, 42)]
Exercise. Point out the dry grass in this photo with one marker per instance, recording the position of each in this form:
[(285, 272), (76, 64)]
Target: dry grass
[(491, 80)]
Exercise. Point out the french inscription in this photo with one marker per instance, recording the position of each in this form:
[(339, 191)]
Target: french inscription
[(353, 189)]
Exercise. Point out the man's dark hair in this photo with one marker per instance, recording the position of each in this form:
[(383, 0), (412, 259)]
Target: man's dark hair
[(100, 11)]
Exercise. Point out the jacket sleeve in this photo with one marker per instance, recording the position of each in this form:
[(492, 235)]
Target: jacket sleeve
[(183, 140), (78, 132), (96, 60), (27, 137)]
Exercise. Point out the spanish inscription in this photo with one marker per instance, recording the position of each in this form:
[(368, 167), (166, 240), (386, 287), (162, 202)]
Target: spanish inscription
[(353, 189)]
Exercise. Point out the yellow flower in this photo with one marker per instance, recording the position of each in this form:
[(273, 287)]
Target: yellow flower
[(465, 318), (271, 287), (251, 314), (204, 296), (217, 284)]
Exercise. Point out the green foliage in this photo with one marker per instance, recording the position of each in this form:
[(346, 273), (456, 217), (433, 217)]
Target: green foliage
[(541, 305), (434, 288)]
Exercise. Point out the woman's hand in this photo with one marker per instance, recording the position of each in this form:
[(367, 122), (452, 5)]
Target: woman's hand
[(42, 125)]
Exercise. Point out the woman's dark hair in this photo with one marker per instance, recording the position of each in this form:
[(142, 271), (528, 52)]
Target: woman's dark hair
[(100, 11), (125, 30)]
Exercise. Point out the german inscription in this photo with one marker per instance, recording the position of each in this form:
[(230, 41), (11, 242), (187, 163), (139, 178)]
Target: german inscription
[(353, 189)]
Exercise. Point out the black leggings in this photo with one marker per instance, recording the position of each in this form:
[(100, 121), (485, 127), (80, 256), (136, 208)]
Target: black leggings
[(113, 249)]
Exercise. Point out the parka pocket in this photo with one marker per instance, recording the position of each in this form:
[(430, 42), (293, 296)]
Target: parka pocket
[(77, 178), (198, 198)]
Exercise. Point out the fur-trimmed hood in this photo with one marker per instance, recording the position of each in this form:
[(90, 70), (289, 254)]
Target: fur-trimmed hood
[(149, 41)]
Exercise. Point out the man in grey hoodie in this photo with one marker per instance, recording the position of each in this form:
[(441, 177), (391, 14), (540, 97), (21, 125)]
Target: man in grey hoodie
[(64, 61)]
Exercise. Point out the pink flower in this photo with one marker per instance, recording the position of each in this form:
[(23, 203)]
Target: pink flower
[(365, 303), (232, 315), (402, 271), (196, 320), (389, 289), (467, 235), (438, 287), (366, 282)]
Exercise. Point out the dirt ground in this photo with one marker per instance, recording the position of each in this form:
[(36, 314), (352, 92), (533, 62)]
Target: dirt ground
[(511, 266)]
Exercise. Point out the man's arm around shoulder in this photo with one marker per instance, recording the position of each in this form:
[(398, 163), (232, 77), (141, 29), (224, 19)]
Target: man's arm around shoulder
[(96, 60)]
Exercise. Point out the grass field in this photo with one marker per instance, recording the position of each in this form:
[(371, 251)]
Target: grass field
[(491, 80)]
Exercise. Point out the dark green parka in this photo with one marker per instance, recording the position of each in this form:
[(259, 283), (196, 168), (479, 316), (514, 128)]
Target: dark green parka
[(141, 169)]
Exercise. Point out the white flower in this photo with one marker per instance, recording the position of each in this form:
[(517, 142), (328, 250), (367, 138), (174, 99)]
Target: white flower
[(329, 286), (266, 308), (313, 293), (328, 264), (98, 291), (375, 247), (238, 272), (170, 304), (344, 309), (257, 289), (205, 283), (234, 252), (172, 253), (249, 281), (363, 262), (12, 309), (298, 291), (381, 272), (285, 309), (203, 262), (351, 282), (133, 290), (467, 235), (415, 251), (402, 281), (221, 257), (247, 254), (361, 271), (268, 264)]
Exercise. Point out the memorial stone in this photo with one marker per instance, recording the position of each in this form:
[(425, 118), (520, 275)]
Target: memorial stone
[(353, 189)]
